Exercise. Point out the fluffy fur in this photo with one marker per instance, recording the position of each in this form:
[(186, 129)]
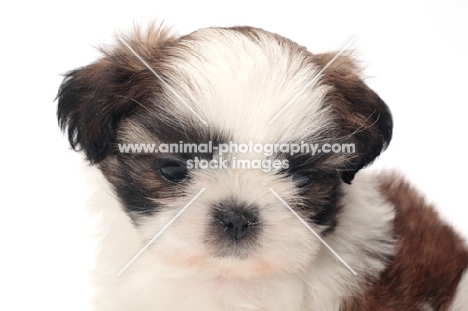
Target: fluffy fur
[(237, 79)]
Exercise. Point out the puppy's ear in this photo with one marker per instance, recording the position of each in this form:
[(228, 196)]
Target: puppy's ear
[(93, 100), (362, 116)]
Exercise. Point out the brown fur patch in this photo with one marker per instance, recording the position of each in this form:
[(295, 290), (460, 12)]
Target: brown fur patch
[(92, 100), (360, 114), (429, 260)]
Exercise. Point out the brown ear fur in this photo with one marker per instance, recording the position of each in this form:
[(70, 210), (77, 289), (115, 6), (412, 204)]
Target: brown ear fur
[(364, 118), (92, 100)]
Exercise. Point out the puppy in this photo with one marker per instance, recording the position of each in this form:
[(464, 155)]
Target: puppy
[(292, 231)]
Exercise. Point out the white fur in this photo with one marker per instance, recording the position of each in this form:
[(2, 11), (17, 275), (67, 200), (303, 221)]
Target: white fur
[(150, 283), (460, 302), (238, 94)]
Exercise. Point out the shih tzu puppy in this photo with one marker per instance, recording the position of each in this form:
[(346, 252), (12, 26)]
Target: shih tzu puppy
[(247, 199)]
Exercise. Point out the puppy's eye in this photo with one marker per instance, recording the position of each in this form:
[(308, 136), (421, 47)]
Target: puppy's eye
[(306, 177), (173, 171), (302, 178)]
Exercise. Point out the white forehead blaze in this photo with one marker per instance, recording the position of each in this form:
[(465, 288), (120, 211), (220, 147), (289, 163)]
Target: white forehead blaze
[(238, 84)]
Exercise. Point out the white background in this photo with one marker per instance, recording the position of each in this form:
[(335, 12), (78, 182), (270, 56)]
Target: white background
[(416, 56)]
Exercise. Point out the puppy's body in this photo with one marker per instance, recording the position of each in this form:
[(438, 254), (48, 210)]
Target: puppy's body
[(237, 80)]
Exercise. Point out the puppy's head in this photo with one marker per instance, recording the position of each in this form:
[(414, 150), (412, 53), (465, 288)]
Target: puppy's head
[(212, 87)]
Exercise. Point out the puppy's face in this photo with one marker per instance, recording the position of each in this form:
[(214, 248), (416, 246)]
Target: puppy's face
[(238, 81)]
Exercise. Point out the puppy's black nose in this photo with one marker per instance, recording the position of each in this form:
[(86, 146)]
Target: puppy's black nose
[(237, 224)]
